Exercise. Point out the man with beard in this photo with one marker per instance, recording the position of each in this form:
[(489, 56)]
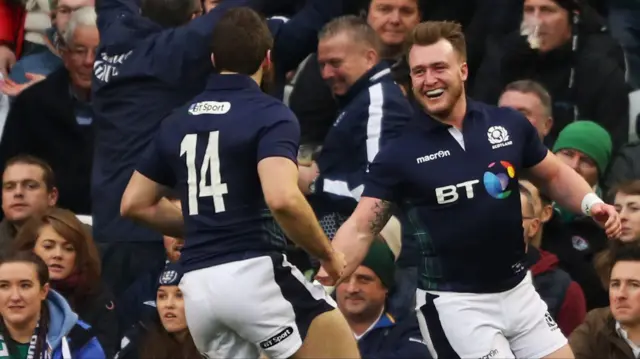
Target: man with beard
[(233, 162), (454, 172)]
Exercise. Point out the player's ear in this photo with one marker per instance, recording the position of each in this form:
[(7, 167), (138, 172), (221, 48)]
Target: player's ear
[(464, 71), (213, 60)]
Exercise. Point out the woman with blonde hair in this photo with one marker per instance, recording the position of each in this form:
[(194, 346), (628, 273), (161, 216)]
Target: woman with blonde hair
[(66, 246)]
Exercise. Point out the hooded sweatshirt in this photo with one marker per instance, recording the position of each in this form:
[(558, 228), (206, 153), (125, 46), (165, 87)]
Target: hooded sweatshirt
[(68, 337), (563, 296)]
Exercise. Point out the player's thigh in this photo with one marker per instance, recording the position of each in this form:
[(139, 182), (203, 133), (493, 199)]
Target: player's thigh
[(329, 327), (277, 307), (532, 331), (199, 309), (461, 325)]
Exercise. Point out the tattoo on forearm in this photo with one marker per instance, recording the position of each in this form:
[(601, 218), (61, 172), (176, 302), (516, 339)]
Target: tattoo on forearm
[(382, 211)]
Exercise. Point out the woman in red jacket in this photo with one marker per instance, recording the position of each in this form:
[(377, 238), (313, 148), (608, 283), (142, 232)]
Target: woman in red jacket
[(12, 15)]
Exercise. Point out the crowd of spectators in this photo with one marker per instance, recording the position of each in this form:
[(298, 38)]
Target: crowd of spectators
[(570, 66)]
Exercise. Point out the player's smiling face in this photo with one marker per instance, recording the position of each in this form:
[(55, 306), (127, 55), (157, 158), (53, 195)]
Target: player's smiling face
[(437, 76)]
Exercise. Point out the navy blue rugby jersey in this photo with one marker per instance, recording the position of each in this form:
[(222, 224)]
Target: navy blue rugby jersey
[(209, 150), (459, 190)]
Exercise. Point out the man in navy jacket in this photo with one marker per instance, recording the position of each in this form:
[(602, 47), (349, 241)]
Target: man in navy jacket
[(373, 110), (362, 297), (151, 59)]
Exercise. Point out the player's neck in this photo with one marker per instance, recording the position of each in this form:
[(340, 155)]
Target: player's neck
[(456, 116), (257, 77)]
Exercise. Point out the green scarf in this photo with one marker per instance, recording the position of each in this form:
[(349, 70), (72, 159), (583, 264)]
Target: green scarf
[(567, 216)]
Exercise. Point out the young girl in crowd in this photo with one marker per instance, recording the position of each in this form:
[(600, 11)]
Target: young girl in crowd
[(36, 321)]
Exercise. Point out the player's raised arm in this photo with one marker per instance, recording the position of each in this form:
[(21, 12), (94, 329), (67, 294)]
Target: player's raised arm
[(279, 179)]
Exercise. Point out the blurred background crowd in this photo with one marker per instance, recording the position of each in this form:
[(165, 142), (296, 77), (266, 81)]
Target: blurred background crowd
[(572, 67)]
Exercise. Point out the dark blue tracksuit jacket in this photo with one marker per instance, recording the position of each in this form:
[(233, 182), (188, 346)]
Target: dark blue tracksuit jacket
[(142, 72), (372, 112), (391, 340)]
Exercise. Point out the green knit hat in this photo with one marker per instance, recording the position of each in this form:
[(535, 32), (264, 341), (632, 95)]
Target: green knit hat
[(589, 138), (381, 261)]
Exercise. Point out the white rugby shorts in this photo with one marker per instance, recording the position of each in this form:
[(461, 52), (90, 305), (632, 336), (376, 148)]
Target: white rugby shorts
[(238, 309), (511, 324)]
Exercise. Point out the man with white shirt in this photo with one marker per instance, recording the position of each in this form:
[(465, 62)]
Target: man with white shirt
[(362, 300), (614, 332)]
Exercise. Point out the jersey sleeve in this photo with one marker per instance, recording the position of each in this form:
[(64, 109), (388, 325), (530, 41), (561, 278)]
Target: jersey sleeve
[(534, 150), (381, 180), (280, 138), (154, 165)]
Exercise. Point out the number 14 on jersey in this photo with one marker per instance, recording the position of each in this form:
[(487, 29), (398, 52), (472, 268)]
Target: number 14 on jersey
[(210, 170)]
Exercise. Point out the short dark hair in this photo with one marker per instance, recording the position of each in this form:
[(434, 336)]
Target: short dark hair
[(617, 251), (535, 88), (169, 13), (430, 32), (240, 41), (357, 27), (48, 176), (631, 187), (624, 252)]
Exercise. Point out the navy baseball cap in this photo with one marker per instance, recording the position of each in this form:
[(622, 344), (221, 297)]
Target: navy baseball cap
[(171, 275)]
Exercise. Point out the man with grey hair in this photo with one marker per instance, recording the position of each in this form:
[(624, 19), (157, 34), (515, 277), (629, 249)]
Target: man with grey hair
[(533, 101), (34, 67)]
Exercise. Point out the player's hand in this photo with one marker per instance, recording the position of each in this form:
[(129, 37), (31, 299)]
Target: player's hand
[(306, 175), (608, 218), (332, 269)]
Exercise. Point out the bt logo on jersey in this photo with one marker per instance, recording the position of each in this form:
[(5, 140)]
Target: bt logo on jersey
[(449, 194), (496, 182), (497, 178)]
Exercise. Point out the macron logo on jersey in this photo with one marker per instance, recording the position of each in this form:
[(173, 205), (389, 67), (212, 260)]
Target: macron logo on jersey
[(209, 108), (433, 156)]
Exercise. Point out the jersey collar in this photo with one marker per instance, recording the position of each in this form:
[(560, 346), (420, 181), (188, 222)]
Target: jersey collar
[(377, 74), (219, 82), (431, 124)]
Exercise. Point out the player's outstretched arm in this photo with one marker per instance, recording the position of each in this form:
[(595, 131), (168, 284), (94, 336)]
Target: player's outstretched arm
[(571, 191), (143, 201), (356, 234), (279, 179)]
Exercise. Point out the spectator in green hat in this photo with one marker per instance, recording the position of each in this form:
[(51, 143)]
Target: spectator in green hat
[(586, 147), (362, 299)]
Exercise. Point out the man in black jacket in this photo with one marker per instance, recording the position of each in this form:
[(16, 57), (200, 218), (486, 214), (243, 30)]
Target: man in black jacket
[(568, 50)]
